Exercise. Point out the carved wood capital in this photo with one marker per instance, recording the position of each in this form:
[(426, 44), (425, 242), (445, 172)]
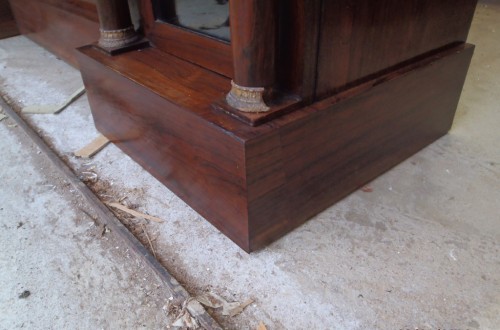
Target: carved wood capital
[(248, 99)]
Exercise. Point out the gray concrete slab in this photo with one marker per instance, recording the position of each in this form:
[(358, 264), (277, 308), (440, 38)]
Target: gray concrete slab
[(420, 250), (56, 270)]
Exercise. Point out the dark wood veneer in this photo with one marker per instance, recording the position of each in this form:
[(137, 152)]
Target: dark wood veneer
[(363, 37), (254, 34), (298, 46), (164, 129), (353, 138), (257, 183)]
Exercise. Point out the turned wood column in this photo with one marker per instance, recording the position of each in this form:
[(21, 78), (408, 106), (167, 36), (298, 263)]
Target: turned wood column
[(253, 39), (117, 30)]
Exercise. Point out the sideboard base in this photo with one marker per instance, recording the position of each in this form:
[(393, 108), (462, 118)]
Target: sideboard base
[(257, 183)]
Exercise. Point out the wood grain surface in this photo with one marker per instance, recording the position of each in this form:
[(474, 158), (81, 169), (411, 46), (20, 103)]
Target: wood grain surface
[(257, 183), (361, 38), (203, 50), (254, 33)]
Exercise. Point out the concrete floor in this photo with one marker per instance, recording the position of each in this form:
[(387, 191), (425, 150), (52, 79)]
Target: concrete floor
[(57, 271), (419, 251)]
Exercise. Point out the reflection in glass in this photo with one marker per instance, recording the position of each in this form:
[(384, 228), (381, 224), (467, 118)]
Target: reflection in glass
[(209, 17)]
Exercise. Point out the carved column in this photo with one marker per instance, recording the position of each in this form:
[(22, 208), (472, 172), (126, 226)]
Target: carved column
[(117, 31), (253, 40)]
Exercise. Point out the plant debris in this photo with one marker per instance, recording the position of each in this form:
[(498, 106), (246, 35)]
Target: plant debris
[(261, 326), (181, 316), (89, 176), (135, 213), (149, 240), (367, 189), (215, 301)]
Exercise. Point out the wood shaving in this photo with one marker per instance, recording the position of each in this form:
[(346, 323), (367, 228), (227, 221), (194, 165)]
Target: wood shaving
[(135, 213)]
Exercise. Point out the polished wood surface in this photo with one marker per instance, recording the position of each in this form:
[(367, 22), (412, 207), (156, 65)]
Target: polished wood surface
[(113, 14), (297, 48), (257, 183), (337, 145), (361, 38), (208, 52), (58, 25), (254, 33), (159, 123), (322, 47)]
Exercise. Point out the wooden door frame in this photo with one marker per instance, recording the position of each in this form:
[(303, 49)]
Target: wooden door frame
[(206, 51)]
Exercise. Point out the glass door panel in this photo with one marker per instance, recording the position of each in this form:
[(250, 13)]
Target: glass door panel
[(209, 17)]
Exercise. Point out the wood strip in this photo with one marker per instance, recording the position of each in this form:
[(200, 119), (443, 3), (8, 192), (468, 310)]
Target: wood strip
[(54, 108), (93, 147), (107, 218)]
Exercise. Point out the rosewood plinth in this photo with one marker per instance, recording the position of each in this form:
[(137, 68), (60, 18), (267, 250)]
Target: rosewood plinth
[(257, 183)]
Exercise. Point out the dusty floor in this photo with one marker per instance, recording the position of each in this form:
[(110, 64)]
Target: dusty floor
[(57, 271), (420, 250)]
